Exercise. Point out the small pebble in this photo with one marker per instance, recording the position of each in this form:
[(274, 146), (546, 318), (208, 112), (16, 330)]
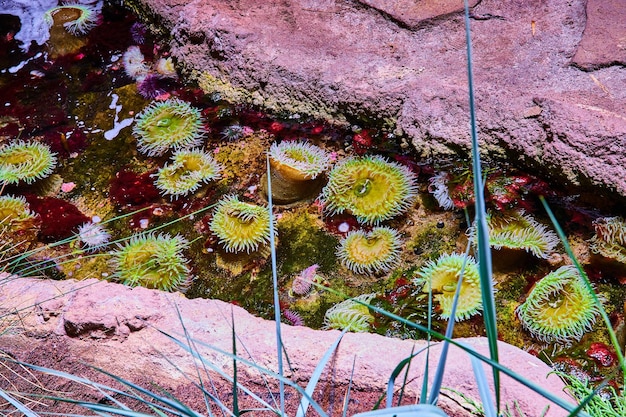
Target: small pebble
[(343, 227)]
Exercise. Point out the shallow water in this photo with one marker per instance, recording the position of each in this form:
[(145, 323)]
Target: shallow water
[(75, 95)]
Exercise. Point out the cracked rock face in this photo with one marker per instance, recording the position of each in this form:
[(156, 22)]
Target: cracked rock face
[(549, 76)]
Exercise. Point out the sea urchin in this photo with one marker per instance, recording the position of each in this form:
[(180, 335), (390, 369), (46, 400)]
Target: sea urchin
[(371, 188)]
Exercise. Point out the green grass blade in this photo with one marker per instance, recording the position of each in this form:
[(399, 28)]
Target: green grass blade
[(346, 400), (494, 364), (441, 366), (18, 405), (235, 389), (315, 377), (249, 363), (424, 392), (396, 371), (279, 339), (418, 410), (605, 317), (483, 388), (484, 251)]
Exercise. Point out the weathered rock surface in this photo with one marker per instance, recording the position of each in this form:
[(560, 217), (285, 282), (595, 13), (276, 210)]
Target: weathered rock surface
[(550, 81), (123, 330)]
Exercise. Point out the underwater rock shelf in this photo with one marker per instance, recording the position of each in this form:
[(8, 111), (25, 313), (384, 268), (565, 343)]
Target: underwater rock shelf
[(549, 94)]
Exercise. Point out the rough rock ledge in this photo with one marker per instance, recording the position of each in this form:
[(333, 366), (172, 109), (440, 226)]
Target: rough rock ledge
[(67, 324)]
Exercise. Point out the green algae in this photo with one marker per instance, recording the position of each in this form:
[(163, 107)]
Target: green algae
[(303, 242)]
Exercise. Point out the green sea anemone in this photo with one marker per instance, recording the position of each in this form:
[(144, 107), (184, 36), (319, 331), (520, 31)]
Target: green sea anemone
[(188, 170), (443, 276), (78, 19), (560, 308), (520, 231), (172, 123), (25, 161), (153, 261), (371, 188), (240, 226), (351, 315), (370, 252), (298, 160), (18, 225), (610, 238), (296, 169)]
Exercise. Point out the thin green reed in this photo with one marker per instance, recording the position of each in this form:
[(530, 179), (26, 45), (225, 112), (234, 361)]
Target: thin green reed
[(482, 233)]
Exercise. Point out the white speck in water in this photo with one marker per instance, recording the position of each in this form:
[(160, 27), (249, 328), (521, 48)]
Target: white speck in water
[(117, 124), (144, 223), (19, 66), (96, 219), (343, 227)]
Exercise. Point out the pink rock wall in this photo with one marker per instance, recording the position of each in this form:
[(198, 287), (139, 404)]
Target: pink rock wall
[(539, 105)]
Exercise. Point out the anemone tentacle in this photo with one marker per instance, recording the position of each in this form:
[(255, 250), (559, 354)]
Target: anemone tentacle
[(77, 18), (153, 261), (610, 238), (299, 159), (188, 170), (518, 230)]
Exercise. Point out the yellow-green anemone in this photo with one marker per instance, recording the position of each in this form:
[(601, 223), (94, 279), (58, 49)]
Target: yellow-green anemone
[(370, 252), (25, 161), (297, 160), (443, 276), (240, 226), (76, 18), (153, 261), (371, 188), (188, 170), (163, 125), (18, 225), (295, 173), (518, 230), (610, 238), (350, 314), (560, 308)]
